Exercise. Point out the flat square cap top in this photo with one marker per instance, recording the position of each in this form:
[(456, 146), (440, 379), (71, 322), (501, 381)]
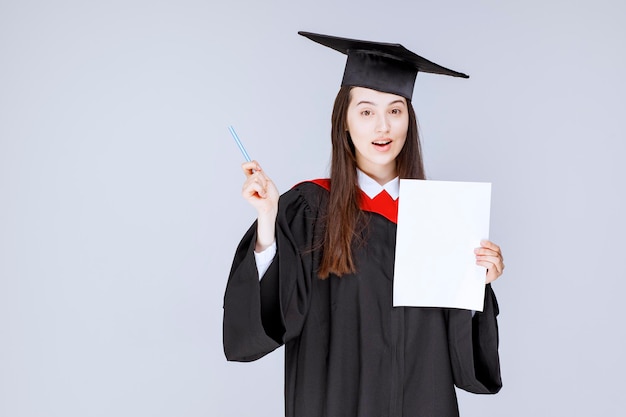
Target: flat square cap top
[(386, 67)]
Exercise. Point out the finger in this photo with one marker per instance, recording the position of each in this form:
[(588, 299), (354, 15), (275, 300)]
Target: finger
[(258, 177), (488, 252), (249, 168), (493, 259), (254, 189), (490, 245), (266, 182), (492, 273), (492, 268)]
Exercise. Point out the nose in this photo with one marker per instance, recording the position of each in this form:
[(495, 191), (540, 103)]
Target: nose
[(382, 124)]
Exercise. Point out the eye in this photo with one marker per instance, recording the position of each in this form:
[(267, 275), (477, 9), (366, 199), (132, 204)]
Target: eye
[(366, 113), (396, 111)]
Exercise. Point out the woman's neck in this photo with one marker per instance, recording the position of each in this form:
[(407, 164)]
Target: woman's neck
[(381, 175)]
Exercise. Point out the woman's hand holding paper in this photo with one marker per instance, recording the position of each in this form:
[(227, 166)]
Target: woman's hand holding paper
[(489, 255)]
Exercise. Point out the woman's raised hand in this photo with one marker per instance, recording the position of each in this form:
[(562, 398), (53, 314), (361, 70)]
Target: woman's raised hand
[(260, 191), (489, 255)]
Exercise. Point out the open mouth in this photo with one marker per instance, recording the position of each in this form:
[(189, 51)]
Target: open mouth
[(381, 142)]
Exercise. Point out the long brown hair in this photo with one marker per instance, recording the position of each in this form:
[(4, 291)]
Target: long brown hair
[(343, 212)]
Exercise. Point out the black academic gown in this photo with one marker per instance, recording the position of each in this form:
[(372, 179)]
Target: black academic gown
[(348, 351)]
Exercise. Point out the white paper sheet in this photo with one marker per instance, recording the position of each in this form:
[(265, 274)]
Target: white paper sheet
[(440, 223)]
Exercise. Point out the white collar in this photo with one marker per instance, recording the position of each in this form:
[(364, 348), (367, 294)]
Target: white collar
[(372, 188)]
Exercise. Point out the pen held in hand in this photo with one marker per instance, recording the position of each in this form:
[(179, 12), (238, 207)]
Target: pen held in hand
[(241, 148)]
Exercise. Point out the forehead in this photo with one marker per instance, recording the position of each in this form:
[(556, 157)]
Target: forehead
[(362, 94)]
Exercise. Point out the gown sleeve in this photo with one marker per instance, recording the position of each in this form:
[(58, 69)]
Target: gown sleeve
[(261, 316), (474, 347)]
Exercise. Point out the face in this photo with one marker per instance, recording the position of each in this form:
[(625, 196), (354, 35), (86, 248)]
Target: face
[(378, 124)]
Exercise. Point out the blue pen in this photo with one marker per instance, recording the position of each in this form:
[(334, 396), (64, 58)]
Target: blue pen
[(243, 150)]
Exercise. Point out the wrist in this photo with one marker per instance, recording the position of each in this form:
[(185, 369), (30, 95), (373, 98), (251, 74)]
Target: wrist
[(262, 246), (266, 231), (267, 215)]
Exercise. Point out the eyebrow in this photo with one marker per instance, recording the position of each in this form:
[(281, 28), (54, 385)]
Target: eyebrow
[(373, 104)]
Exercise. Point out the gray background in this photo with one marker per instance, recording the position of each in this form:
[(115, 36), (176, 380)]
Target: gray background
[(119, 188)]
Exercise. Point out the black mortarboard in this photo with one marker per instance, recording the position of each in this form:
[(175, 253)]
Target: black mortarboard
[(386, 67)]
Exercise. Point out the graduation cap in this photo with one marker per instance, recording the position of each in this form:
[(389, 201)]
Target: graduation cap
[(386, 67)]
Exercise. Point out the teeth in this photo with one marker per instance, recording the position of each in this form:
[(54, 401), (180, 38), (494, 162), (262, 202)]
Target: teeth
[(382, 143)]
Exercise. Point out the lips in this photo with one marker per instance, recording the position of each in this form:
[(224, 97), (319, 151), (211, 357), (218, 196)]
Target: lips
[(382, 145)]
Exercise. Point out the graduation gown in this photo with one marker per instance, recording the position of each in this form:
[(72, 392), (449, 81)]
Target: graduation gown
[(348, 351)]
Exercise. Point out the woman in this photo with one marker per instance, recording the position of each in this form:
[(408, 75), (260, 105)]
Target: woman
[(315, 271)]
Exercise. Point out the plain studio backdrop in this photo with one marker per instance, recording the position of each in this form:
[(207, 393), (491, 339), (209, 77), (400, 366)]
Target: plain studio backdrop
[(120, 205)]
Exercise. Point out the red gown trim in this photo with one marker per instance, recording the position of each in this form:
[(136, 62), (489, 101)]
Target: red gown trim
[(382, 204)]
